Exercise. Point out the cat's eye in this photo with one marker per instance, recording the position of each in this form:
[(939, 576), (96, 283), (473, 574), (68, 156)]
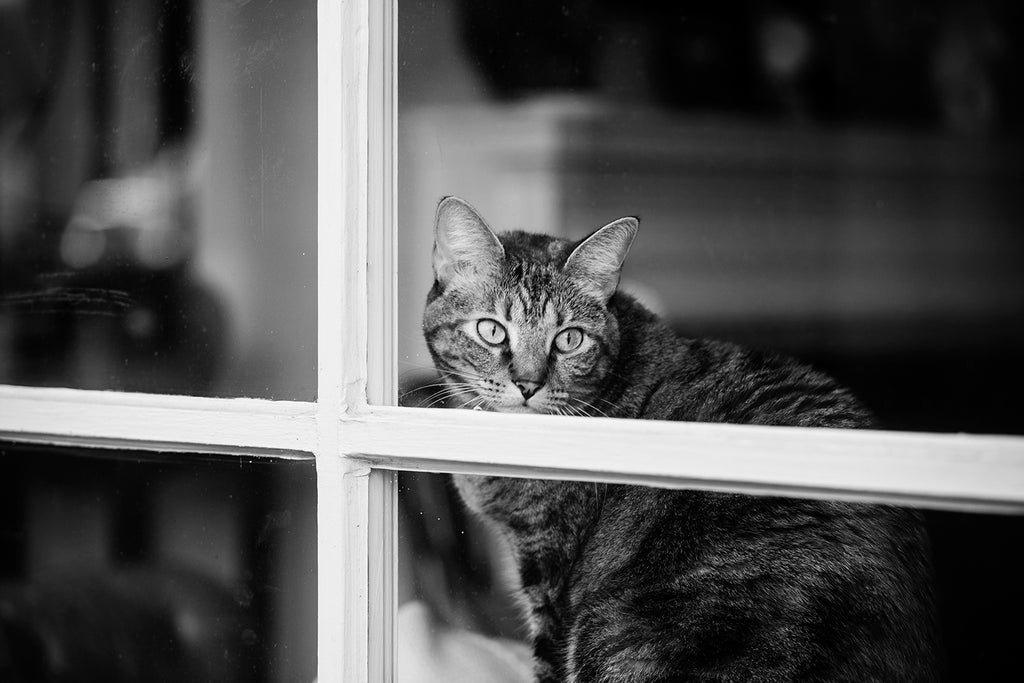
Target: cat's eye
[(569, 340), (491, 331)]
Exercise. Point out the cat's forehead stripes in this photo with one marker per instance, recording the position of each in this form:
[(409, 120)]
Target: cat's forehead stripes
[(528, 309), (527, 297)]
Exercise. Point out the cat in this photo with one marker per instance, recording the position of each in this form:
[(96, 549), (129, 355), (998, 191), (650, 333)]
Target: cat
[(626, 583)]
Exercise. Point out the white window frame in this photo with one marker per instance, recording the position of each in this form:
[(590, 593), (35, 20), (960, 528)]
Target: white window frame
[(359, 441)]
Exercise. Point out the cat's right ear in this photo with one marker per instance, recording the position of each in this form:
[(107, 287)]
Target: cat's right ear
[(462, 241), (596, 262)]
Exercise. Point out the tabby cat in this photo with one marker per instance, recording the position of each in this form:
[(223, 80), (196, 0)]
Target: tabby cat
[(626, 583)]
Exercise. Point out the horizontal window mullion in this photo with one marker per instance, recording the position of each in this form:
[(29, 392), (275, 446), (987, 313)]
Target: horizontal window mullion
[(157, 422), (976, 473)]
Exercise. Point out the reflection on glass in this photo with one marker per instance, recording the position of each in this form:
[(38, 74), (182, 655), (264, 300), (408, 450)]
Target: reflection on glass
[(120, 567), (458, 616), (805, 182), (157, 193), (462, 607)]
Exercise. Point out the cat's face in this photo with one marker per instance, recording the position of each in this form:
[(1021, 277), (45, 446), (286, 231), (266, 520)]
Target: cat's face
[(520, 323)]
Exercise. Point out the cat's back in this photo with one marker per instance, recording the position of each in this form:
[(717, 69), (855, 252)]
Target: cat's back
[(721, 587), (706, 380)]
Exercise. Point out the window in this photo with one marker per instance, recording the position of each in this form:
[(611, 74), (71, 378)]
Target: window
[(359, 439)]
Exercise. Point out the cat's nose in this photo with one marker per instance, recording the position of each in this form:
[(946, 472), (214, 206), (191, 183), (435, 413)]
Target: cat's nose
[(527, 387)]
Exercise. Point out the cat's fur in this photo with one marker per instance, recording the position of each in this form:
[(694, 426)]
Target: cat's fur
[(628, 583)]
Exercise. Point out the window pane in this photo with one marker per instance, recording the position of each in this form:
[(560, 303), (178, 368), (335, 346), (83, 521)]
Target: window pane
[(837, 186), (157, 196), (124, 566), (461, 603)]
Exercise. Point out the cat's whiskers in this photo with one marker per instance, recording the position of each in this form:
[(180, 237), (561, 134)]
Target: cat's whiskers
[(611, 405), (441, 399), (589, 405), (480, 400), (447, 393), (566, 409), (422, 387), (444, 383), (412, 372), (462, 374), (448, 379)]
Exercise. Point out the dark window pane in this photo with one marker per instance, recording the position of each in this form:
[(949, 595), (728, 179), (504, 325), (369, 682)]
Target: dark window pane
[(124, 566), (462, 603), (157, 196), (837, 184)]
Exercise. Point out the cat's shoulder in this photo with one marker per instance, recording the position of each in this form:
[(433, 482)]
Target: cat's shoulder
[(711, 380), (745, 385)]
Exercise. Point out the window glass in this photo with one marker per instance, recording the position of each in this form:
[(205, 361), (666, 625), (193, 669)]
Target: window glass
[(837, 184), (461, 602), (124, 566), (157, 196)]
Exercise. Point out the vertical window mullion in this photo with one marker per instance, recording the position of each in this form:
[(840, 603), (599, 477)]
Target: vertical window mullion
[(382, 305), (382, 577), (382, 243), (342, 484)]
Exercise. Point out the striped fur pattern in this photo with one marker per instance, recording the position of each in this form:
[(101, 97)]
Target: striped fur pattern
[(634, 584)]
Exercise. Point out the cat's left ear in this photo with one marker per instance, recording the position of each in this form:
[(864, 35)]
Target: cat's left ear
[(597, 261)]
